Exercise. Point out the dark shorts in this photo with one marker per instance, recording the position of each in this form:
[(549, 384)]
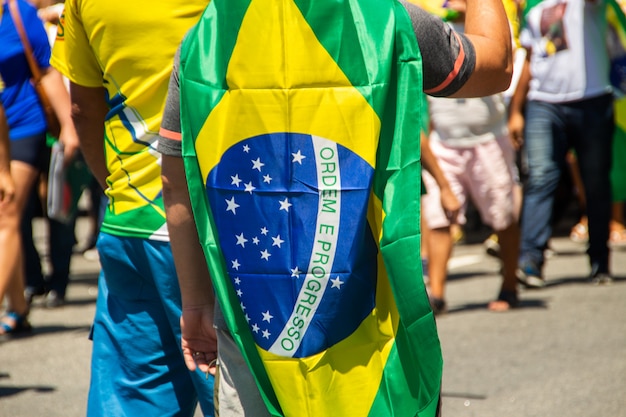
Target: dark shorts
[(31, 150)]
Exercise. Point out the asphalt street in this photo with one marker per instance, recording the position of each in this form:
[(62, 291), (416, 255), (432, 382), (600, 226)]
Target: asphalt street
[(561, 354)]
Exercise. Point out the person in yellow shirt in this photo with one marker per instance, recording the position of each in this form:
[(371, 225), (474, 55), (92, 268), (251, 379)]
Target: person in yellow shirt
[(118, 57)]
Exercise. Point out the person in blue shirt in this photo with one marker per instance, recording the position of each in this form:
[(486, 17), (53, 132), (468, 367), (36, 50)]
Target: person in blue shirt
[(28, 151)]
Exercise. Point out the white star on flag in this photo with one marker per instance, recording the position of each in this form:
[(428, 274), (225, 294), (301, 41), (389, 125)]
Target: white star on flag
[(239, 292), (231, 205), (257, 164), (267, 178), (264, 231), (295, 272), (265, 255), (236, 264), (267, 316), (285, 204), (266, 334), (277, 241), (249, 187), (298, 157), (337, 283), (246, 148), (255, 240), (241, 240), (255, 328), (236, 181)]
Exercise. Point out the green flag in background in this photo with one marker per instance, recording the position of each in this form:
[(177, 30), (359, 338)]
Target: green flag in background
[(301, 143)]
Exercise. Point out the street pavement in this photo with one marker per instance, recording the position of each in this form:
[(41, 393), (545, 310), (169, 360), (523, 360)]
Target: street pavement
[(561, 354)]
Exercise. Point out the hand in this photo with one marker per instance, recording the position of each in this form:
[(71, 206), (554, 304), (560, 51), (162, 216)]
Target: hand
[(450, 204), (199, 340), (7, 188), (71, 145)]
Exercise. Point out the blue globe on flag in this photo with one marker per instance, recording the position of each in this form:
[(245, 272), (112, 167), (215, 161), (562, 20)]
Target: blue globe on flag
[(291, 214)]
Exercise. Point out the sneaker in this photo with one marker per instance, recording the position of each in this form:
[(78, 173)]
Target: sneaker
[(492, 247), (31, 292), (599, 278), (530, 277), (54, 300)]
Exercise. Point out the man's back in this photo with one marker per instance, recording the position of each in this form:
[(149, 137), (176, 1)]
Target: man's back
[(131, 57)]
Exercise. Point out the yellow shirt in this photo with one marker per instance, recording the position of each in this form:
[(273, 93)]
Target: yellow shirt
[(127, 47)]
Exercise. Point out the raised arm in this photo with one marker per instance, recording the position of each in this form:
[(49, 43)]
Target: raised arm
[(487, 27), (475, 63)]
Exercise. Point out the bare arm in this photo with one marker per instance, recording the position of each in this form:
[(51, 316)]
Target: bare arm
[(7, 187), (52, 81), (89, 110), (449, 202), (516, 107), (198, 299), (487, 27)]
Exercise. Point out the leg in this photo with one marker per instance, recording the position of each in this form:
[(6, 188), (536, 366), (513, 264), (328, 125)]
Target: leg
[(593, 125), (439, 249), (439, 239), (544, 146), (133, 323), (62, 240), (493, 184), (509, 252), (34, 280), (11, 257)]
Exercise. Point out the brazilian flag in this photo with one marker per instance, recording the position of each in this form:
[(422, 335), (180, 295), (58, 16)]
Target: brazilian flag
[(301, 123)]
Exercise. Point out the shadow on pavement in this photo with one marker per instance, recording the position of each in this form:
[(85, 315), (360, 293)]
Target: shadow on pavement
[(13, 390)]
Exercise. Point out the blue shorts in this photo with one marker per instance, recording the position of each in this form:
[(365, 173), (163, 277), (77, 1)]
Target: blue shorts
[(31, 150), (137, 367)]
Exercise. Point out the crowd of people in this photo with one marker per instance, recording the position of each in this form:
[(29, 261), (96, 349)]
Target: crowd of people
[(558, 117), (132, 95)]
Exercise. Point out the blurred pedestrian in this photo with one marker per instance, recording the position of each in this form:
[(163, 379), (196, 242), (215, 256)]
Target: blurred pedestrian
[(117, 56), (27, 132), (60, 237), (564, 100)]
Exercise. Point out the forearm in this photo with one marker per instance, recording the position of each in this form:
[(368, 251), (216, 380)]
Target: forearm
[(518, 100), (486, 25), (191, 267), (429, 162), (89, 111), (52, 81)]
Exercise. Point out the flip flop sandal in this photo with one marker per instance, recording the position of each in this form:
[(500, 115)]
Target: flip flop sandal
[(579, 233), (509, 297), (17, 325), (617, 238)]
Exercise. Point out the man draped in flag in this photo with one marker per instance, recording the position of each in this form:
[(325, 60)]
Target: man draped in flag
[(298, 126)]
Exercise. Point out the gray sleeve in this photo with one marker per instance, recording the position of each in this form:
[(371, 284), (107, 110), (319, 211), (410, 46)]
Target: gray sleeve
[(448, 57), (170, 122)]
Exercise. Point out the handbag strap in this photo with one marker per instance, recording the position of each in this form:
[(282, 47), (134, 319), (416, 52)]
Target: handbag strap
[(28, 50)]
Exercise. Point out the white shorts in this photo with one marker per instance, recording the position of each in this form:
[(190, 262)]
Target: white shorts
[(486, 173)]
